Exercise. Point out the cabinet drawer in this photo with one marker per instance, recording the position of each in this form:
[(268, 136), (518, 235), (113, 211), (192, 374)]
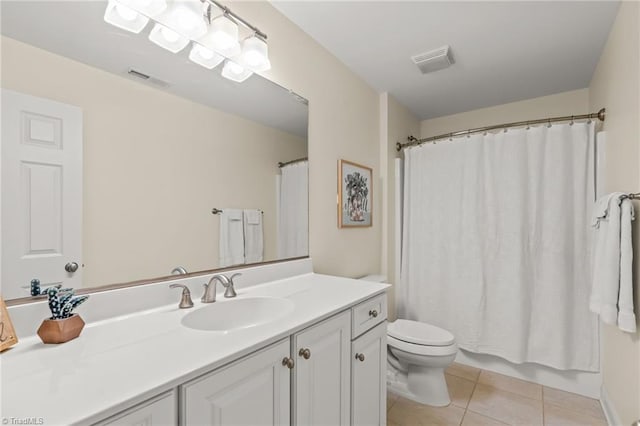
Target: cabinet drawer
[(368, 314), (158, 411)]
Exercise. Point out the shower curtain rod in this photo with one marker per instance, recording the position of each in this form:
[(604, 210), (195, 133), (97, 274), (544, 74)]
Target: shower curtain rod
[(600, 115), (281, 164)]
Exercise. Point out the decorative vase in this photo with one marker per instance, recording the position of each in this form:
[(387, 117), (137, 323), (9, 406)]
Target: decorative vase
[(60, 330)]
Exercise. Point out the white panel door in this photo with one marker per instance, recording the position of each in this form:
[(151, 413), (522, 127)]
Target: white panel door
[(369, 377), (41, 193), (322, 375), (253, 391)]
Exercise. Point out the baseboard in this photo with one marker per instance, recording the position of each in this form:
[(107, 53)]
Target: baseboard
[(608, 408)]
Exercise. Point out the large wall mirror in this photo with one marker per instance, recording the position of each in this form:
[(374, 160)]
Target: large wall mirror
[(115, 152)]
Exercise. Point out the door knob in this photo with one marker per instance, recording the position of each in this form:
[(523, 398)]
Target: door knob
[(360, 357), (305, 353), (71, 267)]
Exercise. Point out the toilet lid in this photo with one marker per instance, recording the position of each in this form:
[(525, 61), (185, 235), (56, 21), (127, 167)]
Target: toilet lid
[(420, 333)]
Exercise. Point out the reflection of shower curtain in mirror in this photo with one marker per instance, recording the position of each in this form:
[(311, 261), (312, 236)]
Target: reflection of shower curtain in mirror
[(293, 219), (496, 243)]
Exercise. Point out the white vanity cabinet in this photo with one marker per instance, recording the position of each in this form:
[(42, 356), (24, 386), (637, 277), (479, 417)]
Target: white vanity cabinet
[(252, 391), (333, 372), (321, 376)]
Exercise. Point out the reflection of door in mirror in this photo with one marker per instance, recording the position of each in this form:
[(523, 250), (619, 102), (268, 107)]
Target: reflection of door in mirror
[(41, 193)]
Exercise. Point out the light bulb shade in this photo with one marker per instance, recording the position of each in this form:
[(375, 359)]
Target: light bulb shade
[(222, 37), (255, 54), (235, 72), (122, 16), (204, 56), (167, 38), (150, 8), (186, 17)]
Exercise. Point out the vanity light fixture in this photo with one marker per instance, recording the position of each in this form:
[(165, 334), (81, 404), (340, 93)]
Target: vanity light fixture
[(185, 17), (235, 72), (212, 29), (149, 8), (124, 17), (204, 56), (168, 39), (255, 53), (223, 36)]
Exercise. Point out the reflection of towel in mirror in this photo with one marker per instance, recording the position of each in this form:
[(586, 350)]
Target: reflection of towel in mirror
[(231, 238), (253, 239), (611, 293)]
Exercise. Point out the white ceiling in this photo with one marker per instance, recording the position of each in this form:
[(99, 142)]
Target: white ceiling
[(76, 29), (504, 51)]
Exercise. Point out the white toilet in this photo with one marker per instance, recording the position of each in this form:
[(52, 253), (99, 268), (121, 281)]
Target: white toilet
[(417, 355)]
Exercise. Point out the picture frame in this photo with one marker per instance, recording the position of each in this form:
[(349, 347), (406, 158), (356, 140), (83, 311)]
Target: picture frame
[(8, 335), (355, 195)]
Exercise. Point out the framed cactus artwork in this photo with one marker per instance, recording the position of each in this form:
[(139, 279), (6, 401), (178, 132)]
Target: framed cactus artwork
[(355, 195), (7, 333)]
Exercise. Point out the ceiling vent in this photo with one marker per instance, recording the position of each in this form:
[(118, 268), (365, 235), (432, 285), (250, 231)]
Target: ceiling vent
[(434, 60), (147, 78)]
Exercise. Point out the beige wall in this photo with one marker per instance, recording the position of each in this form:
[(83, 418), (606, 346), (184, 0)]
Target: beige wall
[(616, 86), (567, 103), (343, 123), (397, 122), (154, 166)]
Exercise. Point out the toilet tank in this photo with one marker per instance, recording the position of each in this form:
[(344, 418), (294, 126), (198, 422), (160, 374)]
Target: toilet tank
[(374, 278)]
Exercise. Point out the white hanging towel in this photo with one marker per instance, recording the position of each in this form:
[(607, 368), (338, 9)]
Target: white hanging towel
[(253, 236), (231, 238), (612, 287)]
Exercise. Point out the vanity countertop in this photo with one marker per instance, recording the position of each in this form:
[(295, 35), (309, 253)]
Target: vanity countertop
[(128, 359)]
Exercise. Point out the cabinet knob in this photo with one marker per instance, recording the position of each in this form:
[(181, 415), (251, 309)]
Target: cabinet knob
[(305, 353), (360, 357), (373, 313), (288, 362)]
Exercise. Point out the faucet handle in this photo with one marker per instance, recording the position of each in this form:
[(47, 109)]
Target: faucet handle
[(229, 290), (185, 301)]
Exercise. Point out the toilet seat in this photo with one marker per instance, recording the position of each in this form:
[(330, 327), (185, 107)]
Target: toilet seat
[(420, 333), (421, 349)]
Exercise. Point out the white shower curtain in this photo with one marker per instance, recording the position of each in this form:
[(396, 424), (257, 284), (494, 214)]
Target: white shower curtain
[(496, 243), (293, 218)]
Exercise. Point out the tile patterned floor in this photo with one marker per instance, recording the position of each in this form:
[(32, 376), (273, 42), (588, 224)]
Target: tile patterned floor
[(480, 397)]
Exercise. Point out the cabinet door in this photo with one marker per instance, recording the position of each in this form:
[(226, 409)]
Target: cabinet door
[(161, 410), (368, 378), (322, 375), (252, 391)]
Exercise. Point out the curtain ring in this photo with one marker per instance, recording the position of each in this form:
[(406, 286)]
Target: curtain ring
[(468, 133), (549, 123), (505, 130), (571, 124), (528, 126), (450, 137)]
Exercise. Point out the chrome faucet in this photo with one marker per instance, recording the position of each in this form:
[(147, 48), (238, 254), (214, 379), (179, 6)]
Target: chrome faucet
[(185, 300), (209, 295), (229, 290)]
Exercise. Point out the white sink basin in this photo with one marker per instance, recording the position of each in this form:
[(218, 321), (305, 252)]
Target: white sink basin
[(226, 315)]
